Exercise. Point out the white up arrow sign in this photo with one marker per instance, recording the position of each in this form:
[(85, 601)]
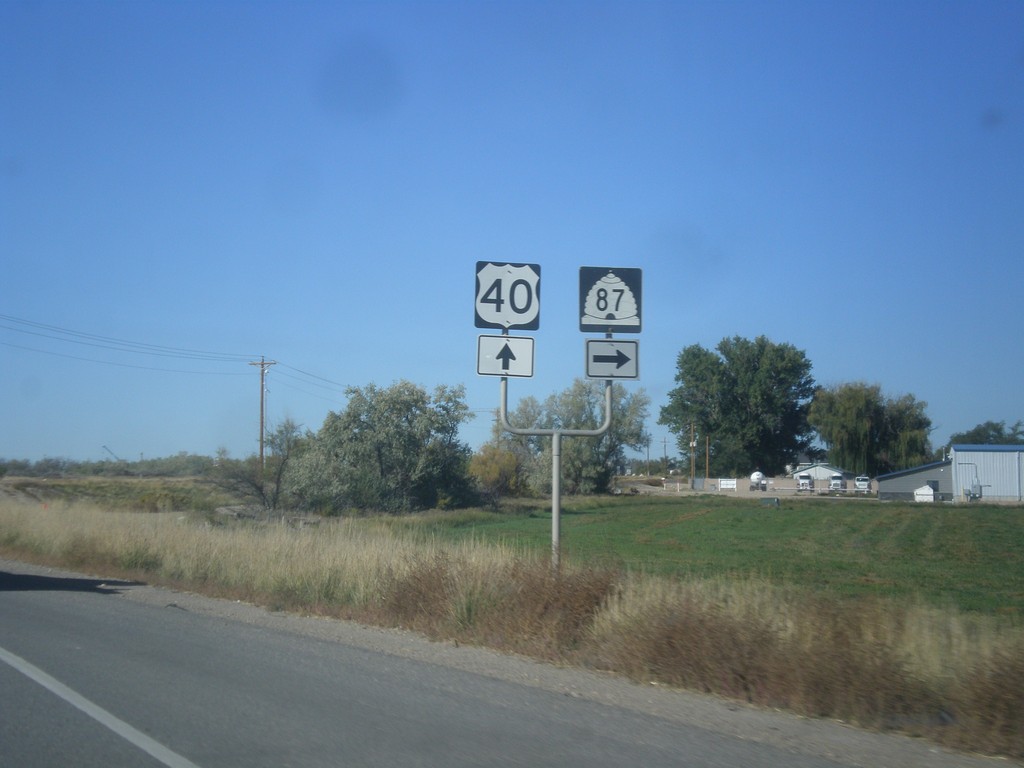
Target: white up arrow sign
[(504, 355)]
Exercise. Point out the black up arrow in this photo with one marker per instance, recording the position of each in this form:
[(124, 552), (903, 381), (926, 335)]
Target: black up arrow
[(619, 358), (505, 356)]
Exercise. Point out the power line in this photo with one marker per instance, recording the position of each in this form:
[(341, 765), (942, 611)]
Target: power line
[(310, 380), (71, 336), (120, 365), (313, 376), (127, 346), (328, 398)]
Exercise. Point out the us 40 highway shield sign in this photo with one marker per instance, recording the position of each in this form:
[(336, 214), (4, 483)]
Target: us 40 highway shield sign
[(507, 296)]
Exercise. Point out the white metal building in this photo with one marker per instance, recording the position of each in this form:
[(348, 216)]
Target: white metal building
[(989, 472), (820, 473)]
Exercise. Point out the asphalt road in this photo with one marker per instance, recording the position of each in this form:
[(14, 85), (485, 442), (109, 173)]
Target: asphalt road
[(101, 673)]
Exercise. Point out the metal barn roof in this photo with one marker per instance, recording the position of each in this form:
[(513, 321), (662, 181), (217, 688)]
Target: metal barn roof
[(967, 447), (914, 470)]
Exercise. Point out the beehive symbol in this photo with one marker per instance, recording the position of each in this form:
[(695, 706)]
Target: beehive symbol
[(611, 302)]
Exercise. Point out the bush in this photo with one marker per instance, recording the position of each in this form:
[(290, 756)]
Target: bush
[(523, 606), (818, 656)]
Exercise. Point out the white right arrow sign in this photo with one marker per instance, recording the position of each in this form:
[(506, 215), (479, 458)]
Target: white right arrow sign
[(607, 359)]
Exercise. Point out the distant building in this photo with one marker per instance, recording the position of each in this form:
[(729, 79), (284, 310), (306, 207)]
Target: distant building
[(971, 473), (989, 472), (820, 473), (905, 484)]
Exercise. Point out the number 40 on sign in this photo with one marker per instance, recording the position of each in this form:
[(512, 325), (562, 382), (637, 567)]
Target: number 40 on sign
[(507, 296)]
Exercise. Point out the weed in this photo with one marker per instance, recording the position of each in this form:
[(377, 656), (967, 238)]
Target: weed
[(989, 705), (139, 557)]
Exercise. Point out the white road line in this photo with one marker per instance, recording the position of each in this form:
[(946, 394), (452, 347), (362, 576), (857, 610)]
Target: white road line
[(97, 713)]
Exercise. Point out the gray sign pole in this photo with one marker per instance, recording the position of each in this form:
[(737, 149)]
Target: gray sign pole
[(556, 457)]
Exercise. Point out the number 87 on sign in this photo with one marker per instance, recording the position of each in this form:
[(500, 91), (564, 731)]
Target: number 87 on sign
[(507, 296)]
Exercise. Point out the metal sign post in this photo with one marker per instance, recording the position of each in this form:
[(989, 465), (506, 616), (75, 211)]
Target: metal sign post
[(508, 297), (556, 457)]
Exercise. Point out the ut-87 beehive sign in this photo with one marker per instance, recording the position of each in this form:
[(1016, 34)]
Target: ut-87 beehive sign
[(610, 299)]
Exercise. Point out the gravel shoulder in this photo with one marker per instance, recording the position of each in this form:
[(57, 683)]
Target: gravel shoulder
[(821, 738)]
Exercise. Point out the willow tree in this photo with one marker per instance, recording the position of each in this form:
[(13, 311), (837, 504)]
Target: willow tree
[(866, 431), (905, 441), (850, 420)]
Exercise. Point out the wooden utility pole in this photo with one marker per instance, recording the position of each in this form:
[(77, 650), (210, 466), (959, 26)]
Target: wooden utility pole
[(693, 451), (263, 364)]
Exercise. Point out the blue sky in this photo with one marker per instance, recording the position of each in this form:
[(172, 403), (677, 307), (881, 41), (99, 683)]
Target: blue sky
[(314, 182)]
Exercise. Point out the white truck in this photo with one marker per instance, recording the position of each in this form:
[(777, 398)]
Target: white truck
[(804, 482)]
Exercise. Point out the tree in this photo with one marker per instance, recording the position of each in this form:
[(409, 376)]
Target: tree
[(391, 450), (587, 464), (750, 397), (504, 464), (905, 434), (497, 471), (282, 444), (264, 485), (850, 420), (990, 433), (867, 432)]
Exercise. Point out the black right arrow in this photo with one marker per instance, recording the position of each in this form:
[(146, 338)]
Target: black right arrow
[(619, 358), (505, 356)]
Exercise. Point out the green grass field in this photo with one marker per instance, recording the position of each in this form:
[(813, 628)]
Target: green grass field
[(970, 557)]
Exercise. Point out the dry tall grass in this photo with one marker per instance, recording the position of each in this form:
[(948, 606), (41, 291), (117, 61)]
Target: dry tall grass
[(954, 677), (877, 663)]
